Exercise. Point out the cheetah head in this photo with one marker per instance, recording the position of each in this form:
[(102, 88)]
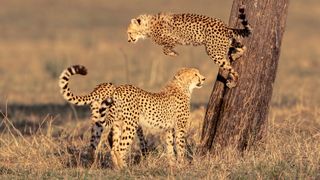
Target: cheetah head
[(190, 78), (139, 28)]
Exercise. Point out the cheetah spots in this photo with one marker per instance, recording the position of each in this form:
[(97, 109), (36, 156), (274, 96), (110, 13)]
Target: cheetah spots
[(193, 29), (164, 111)]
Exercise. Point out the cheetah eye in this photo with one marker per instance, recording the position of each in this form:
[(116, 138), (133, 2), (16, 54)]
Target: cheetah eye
[(139, 21)]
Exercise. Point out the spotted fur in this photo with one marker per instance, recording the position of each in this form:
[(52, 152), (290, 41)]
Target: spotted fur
[(169, 30), (167, 111), (102, 92)]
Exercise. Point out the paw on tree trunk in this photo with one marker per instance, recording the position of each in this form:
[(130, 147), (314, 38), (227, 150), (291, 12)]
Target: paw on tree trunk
[(237, 117)]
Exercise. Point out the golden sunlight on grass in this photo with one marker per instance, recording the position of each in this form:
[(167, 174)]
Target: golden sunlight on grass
[(43, 137), (292, 150)]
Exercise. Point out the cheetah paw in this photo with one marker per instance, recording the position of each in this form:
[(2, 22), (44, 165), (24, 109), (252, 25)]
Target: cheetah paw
[(239, 52), (231, 84), (173, 54)]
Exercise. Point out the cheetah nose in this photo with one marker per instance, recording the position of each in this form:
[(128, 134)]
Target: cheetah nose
[(129, 40)]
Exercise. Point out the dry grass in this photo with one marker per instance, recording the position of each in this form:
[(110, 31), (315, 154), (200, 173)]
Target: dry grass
[(292, 150), (43, 138)]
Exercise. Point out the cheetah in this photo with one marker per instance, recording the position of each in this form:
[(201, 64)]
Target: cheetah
[(169, 30), (94, 99), (167, 110)]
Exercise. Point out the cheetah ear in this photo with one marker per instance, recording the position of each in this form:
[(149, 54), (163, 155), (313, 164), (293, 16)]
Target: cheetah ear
[(136, 21), (177, 77), (133, 21)]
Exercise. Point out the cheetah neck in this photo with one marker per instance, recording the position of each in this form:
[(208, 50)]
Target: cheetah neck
[(148, 24), (163, 16), (176, 85), (154, 20)]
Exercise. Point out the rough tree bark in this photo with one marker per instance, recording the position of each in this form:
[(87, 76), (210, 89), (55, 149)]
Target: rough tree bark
[(237, 117)]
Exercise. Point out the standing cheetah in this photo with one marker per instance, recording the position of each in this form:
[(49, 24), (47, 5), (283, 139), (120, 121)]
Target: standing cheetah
[(102, 92), (167, 110), (169, 30)]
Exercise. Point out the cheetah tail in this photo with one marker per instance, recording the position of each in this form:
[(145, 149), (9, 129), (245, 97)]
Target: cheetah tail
[(247, 29), (64, 84)]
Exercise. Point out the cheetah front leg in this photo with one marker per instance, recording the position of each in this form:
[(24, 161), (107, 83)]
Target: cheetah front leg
[(167, 42), (170, 146), (168, 50), (142, 140), (180, 133), (180, 143)]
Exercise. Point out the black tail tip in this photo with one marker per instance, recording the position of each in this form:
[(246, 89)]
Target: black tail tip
[(80, 69), (245, 23), (242, 16), (248, 32)]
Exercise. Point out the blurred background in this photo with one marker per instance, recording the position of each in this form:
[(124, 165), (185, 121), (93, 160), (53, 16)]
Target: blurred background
[(39, 38), (42, 136)]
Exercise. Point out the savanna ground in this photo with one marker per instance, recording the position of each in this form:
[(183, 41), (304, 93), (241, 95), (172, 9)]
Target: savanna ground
[(43, 137)]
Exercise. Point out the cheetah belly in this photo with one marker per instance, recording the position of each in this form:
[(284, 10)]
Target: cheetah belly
[(154, 123)]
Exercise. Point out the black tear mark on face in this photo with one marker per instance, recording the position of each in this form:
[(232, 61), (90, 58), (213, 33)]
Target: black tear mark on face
[(139, 21)]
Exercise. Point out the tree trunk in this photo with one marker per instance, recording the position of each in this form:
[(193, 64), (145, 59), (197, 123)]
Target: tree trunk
[(237, 117)]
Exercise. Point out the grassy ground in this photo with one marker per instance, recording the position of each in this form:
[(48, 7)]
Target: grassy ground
[(59, 151), (43, 137)]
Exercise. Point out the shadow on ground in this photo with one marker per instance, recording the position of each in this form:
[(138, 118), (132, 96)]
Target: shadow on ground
[(28, 118)]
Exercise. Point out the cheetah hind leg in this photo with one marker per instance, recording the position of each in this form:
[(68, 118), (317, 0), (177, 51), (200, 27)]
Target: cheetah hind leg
[(115, 150), (232, 79), (168, 50), (96, 131), (123, 147), (236, 50), (143, 142), (219, 58), (233, 76)]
